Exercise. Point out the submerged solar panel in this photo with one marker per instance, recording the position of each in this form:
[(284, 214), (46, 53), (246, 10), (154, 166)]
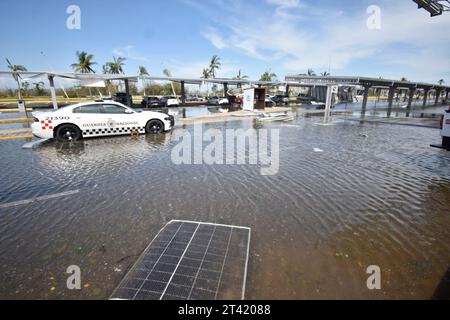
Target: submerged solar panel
[(190, 260)]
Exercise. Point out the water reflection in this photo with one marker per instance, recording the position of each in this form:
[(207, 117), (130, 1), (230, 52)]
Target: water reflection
[(377, 194)]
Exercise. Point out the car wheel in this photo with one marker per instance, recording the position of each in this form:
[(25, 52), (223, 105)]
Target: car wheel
[(68, 132), (154, 126)]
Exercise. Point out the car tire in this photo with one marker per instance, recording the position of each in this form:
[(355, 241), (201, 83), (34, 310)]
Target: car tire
[(68, 133), (154, 126)]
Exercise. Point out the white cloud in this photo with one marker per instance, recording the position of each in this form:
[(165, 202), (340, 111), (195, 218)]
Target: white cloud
[(215, 39), (129, 52), (297, 37)]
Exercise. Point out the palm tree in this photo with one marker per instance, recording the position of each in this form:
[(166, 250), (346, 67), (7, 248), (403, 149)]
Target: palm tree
[(240, 77), (214, 65), (85, 63), (15, 68), (311, 73), (205, 73), (39, 88), (106, 70), (143, 72), (441, 82), (267, 76), (325, 74), (403, 79), (168, 74), (115, 66)]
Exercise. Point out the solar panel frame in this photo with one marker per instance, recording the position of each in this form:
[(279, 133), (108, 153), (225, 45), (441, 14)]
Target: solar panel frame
[(182, 263)]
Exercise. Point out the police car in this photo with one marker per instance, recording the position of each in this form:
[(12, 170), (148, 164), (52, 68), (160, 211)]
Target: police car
[(95, 119)]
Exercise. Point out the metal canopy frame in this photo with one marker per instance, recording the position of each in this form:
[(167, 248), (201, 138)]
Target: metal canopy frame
[(290, 81)]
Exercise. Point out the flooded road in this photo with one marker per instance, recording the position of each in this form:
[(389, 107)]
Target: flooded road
[(377, 194)]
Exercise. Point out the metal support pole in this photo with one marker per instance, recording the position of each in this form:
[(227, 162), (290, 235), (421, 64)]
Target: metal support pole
[(425, 98), (53, 91), (438, 94), (183, 93), (390, 100), (364, 102), (446, 96), (225, 90), (287, 90), (127, 91), (326, 118), (412, 91)]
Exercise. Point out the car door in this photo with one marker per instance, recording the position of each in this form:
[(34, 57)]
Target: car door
[(89, 118), (121, 120)]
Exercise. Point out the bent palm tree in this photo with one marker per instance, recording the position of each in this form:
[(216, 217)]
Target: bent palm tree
[(143, 72), (325, 74), (214, 65), (206, 73), (15, 68), (311, 73), (85, 63), (168, 74)]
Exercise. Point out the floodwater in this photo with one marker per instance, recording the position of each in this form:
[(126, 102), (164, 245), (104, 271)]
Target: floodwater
[(377, 194)]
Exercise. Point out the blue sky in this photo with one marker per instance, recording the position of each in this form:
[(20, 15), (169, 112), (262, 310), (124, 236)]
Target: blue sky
[(285, 36)]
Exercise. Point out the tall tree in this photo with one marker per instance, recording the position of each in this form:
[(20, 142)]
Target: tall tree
[(143, 72), (214, 65), (325, 74), (168, 74), (116, 66), (85, 63), (441, 82), (239, 76), (268, 76), (15, 68), (311, 73), (39, 88), (206, 73)]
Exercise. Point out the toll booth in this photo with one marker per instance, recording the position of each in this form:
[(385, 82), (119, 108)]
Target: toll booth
[(254, 98)]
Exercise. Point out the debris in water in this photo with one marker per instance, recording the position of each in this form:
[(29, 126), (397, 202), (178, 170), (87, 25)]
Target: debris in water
[(317, 150)]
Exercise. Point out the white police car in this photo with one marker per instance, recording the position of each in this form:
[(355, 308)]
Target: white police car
[(94, 119)]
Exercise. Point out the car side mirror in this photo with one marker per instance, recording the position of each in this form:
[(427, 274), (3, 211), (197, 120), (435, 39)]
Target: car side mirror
[(128, 111)]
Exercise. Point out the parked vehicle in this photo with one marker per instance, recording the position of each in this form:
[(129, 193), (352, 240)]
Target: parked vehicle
[(304, 98), (218, 101), (269, 103), (95, 119), (151, 102), (170, 101), (280, 99), (194, 99), (123, 98)]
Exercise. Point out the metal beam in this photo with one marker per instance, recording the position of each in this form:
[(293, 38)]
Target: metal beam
[(364, 102), (425, 97), (412, 91), (53, 91), (390, 100), (183, 93), (438, 95), (225, 89), (127, 91)]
